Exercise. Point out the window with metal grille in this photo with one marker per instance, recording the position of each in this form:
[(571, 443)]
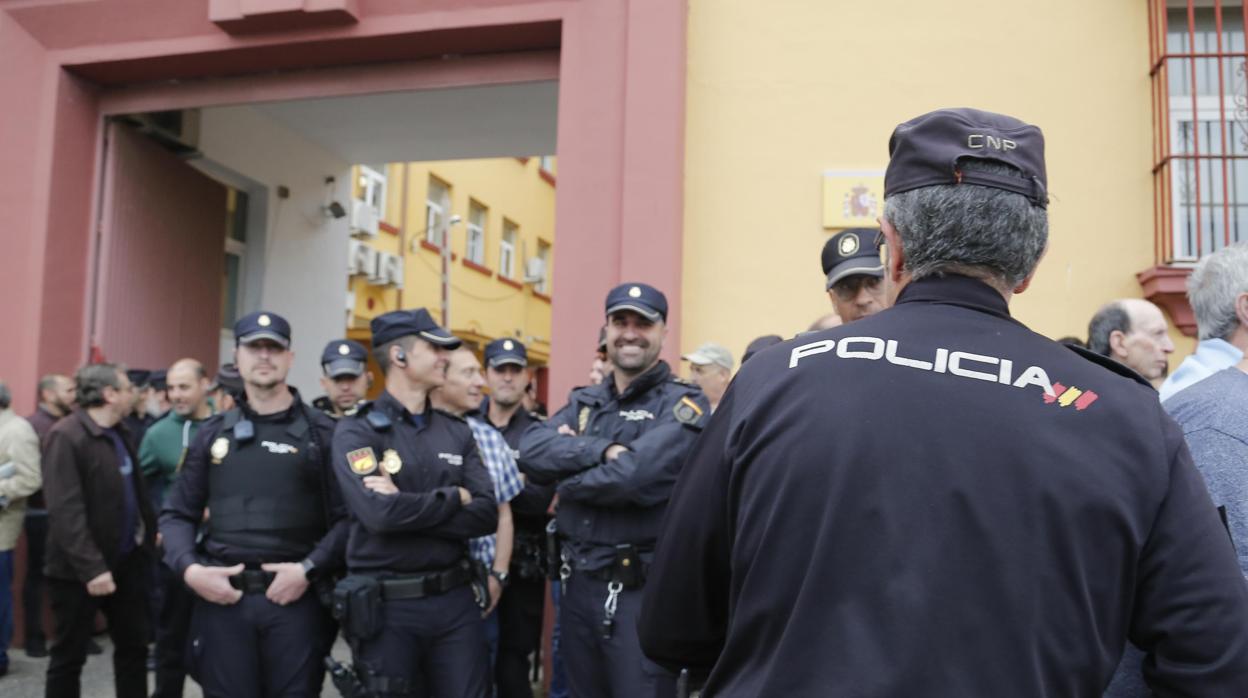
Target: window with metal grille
[(1200, 121)]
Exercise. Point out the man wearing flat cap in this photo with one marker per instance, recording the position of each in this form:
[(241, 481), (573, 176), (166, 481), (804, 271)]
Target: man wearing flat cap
[(710, 368), (853, 273), (417, 489), (345, 377), (999, 519), (614, 451), (276, 534)]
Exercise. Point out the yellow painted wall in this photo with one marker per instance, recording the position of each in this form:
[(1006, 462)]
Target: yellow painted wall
[(779, 92), (483, 307)]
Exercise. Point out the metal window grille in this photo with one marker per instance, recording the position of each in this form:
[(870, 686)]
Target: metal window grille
[(1197, 65)]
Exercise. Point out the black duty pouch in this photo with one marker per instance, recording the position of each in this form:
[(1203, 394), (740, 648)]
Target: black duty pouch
[(358, 607), (480, 583), (627, 569), (554, 545)]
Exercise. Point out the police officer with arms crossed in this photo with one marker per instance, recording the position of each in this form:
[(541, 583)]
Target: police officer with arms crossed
[(346, 379), (276, 526), (417, 489), (615, 450), (520, 609), (1006, 513)]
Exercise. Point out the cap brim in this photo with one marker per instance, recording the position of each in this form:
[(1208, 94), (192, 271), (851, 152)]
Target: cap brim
[(441, 338), (264, 334), (344, 367), (696, 358), (507, 359), (642, 310), (851, 267)]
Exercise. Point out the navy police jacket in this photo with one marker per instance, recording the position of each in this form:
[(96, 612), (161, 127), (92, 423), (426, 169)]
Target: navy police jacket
[(423, 527), (268, 487), (936, 501), (604, 504)]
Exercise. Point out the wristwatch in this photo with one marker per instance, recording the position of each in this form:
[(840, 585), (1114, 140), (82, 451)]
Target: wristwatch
[(308, 567), (502, 577)]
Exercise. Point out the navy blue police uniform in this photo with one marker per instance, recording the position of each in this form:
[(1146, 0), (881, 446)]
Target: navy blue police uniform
[(340, 358), (267, 483), (609, 511), (428, 638), (521, 607), (937, 501)]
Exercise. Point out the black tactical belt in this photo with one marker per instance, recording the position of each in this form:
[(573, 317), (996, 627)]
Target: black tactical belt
[(252, 581), (422, 585)]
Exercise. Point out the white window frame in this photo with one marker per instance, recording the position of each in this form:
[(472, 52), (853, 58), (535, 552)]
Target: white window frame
[(474, 246), (507, 250), (436, 212), (543, 253), (373, 184)]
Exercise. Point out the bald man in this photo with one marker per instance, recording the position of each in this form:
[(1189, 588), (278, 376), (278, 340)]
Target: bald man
[(160, 456), (1133, 332)]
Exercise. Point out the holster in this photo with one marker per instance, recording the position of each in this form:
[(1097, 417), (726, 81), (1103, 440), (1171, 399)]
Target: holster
[(480, 583), (554, 549), (346, 680), (357, 607), (628, 568)]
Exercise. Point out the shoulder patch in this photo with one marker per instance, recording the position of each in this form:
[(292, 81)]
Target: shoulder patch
[(362, 461), (687, 411)]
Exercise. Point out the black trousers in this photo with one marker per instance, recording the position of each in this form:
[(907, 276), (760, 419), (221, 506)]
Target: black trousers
[(32, 586), (172, 630), (435, 644), (519, 635), (256, 648), (606, 668), (73, 612)]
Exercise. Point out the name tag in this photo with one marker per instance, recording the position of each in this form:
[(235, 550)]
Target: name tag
[(278, 448), (452, 458), (636, 415)]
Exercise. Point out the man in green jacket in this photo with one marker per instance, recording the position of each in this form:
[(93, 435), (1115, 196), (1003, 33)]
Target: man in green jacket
[(160, 457)]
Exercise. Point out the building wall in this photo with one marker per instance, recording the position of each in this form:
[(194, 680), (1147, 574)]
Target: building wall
[(484, 305), (778, 93)]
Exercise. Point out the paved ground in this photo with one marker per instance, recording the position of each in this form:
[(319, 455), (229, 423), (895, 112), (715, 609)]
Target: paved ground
[(25, 678)]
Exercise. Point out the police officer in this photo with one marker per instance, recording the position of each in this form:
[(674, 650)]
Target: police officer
[(615, 450), (345, 380), (853, 273), (277, 526), (415, 484), (998, 519), (520, 609)]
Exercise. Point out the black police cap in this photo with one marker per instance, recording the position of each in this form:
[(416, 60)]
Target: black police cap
[(262, 325), (403, 323), (139, 377), (229, 379), (643, 299), (759, 344), (925, 151), (851, 252), (501, 352), (344, 357), (159, 379)]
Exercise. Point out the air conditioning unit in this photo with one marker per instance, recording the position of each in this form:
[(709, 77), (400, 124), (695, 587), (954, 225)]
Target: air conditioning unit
[(361, 259), (534, 270), (365, 222), (389, 271)]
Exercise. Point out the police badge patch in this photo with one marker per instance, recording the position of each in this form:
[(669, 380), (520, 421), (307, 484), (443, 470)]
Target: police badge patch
[(390, 461), (220, 449), (687, 411), (362, 461)]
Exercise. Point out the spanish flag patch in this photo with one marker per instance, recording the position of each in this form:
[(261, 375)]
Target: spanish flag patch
[(362, 461)]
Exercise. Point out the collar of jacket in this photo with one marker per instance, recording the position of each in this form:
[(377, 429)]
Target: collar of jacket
[(95, 429), (295, 402), (961, 291), (657, 374), (397, 412)]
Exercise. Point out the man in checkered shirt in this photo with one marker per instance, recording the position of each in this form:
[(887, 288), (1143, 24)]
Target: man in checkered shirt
[(461, 395)]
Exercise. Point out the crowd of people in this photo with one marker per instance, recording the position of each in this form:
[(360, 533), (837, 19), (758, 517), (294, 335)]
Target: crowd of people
[(915, 496)]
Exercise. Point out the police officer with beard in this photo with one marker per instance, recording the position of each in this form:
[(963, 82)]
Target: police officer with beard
[(615, 451), (1003, 515), (345, 379), (520, 608), (417, 490), (277, 529)]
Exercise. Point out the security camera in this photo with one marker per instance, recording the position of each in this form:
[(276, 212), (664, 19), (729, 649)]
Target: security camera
[(334, 210)]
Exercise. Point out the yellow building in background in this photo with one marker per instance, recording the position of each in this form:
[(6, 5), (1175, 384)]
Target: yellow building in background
[(499, 215)]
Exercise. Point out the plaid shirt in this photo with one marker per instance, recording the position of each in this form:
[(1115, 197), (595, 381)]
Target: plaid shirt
[(498, 459)]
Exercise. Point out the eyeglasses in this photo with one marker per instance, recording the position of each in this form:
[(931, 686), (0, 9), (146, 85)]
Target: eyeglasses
[(847, 289), (881, 247)]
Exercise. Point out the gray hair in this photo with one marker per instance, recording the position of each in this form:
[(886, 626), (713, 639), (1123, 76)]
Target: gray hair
[(6, 398), (93, 378), (987, 233), (1109, 319), (1213, 287)]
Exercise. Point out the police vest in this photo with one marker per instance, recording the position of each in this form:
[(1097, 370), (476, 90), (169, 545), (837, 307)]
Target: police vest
[(267, 494)]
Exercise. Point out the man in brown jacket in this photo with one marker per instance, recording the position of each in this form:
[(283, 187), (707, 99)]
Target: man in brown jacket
[(19, 477), (101, 534)]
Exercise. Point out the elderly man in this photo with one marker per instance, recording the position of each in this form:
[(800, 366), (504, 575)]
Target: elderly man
[(852, 273), (1006, 513), (1218, 292), (710, 368), (1133, 332), (19, 479)]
